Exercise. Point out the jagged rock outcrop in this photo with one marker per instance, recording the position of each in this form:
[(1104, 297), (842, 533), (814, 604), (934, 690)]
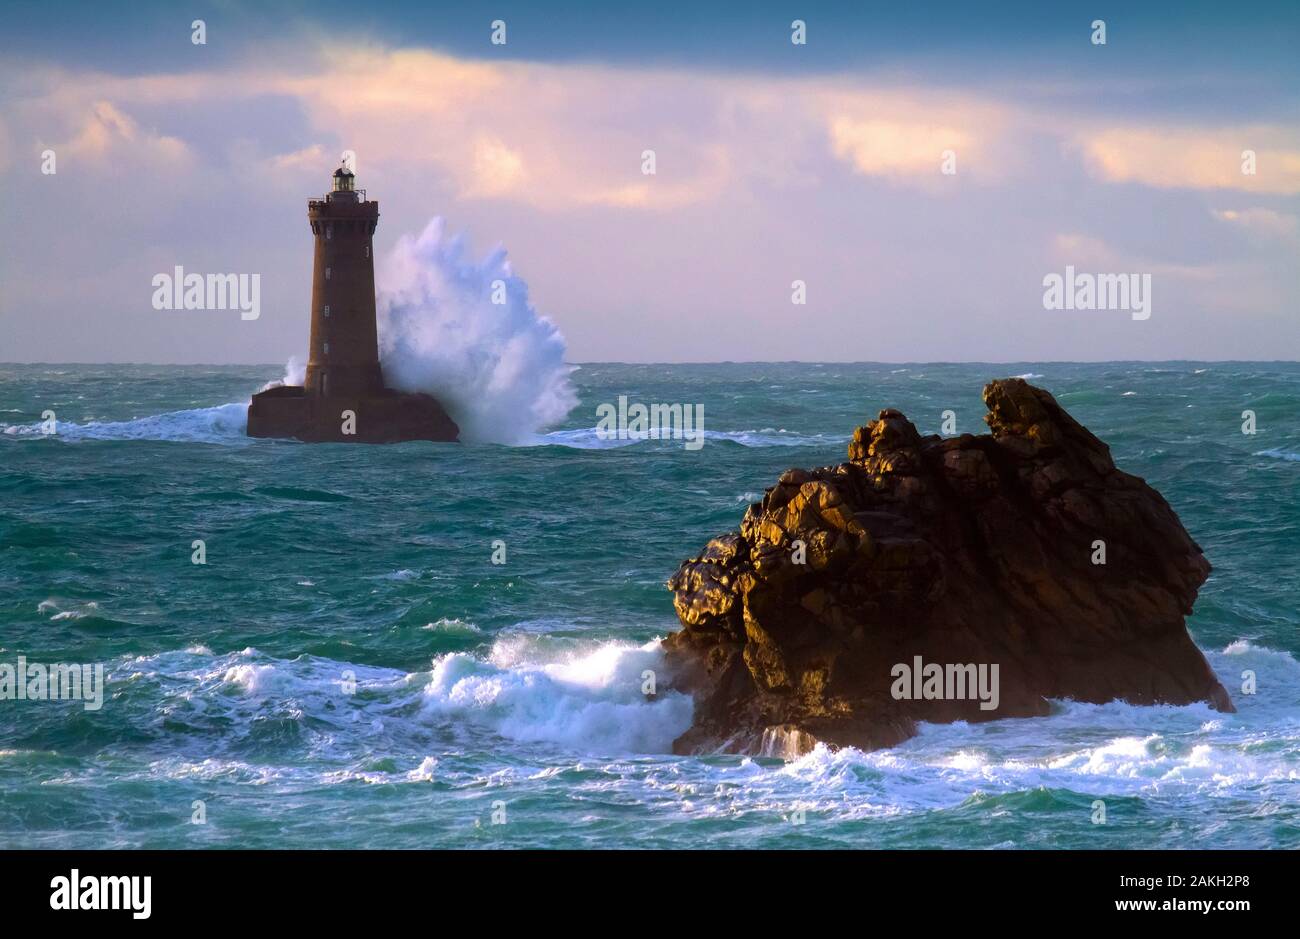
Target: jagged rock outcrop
[(967, 551)]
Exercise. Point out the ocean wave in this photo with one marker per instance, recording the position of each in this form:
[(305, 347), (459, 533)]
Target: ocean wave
[(584, 696), (224, 423), (1112, 749), (582, 438), (228, 423), (494, 362), (90, 609), (453, 627), (587, 438), (1277, 453), (577, 694), (582, 700)]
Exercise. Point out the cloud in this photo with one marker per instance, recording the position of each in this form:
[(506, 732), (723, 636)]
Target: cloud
[(889, 148), (1084, 251), (560, 136), (314, 157), (1097, 255), (1260, 221), (553, 137), (557, 136), (497, 169), (760, 179), (1195, 158), (109, 133), (905, 136)]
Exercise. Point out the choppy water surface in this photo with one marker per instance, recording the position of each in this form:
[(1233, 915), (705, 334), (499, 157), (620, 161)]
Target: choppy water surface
[(517, 687)]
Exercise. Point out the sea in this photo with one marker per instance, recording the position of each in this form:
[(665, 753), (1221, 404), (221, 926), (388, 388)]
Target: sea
[(445, 645)]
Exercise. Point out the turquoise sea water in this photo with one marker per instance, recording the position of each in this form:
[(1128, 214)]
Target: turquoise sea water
[(515, 689)]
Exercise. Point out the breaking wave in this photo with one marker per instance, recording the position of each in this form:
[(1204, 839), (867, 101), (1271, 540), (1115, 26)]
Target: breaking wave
[(225, 423), (586, 697), (498, 367), (587, 438), (579, 695)]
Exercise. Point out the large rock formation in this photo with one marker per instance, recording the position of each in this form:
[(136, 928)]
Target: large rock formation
[(968, 551)]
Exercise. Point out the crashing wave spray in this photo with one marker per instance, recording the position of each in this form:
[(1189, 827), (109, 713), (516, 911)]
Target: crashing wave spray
[(295, 373), (499, 367)]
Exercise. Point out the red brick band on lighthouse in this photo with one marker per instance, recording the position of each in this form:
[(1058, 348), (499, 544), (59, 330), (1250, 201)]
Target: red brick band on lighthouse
[(344, 398)]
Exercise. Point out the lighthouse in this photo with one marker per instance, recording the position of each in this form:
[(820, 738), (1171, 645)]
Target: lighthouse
[(343, 398), (344, 354)]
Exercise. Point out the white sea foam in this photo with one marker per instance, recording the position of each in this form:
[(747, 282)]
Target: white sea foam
[(56, 611), (228, 424), (1095, 749), (453, 627), (498, 368), (586, 438), (90, 609), (295, 373), (586, 697), (576, 694), (425, 772), (225, 423)]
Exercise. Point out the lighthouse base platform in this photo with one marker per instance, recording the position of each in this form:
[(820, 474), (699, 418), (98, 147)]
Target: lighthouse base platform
[(386, 416)]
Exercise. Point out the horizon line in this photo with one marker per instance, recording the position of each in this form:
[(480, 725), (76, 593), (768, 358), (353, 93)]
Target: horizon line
[(280, 365)]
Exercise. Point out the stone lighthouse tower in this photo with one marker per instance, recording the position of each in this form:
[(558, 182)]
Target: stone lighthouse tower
[(344, 398), (344, 353)]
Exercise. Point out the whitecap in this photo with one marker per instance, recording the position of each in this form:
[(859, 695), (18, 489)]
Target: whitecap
[(585, 696), (453, 627), (225, 423)]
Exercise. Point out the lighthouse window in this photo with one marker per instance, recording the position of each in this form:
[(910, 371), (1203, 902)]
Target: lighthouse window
[(327, 309), (367, 250), (327, 273), (329, 231), (327, 348)]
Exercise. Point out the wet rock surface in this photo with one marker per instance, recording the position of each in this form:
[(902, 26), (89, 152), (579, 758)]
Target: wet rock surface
[(821, 618)]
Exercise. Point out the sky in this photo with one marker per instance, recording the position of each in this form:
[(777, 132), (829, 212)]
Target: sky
[(775, 163)]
